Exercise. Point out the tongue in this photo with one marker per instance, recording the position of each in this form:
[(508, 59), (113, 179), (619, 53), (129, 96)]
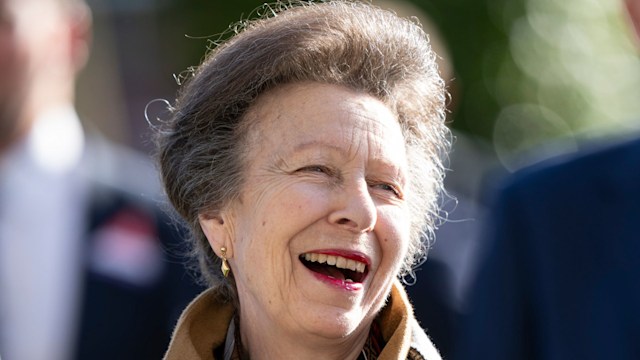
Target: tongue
[(326, 270), (333, 271)]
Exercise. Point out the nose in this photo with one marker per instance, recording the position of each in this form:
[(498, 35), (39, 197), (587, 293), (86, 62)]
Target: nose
[(355, 210)]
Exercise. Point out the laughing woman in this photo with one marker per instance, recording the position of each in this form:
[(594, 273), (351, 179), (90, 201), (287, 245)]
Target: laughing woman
[(305, 156)]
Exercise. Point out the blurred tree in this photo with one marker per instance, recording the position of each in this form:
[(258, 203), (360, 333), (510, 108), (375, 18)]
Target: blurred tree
[(477, 44), (534, 72)]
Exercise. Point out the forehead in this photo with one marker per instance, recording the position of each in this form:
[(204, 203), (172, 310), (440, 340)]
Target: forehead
[(298, 116), (302, 104)]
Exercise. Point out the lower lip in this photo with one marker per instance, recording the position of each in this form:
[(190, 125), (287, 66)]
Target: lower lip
[(341, 284)]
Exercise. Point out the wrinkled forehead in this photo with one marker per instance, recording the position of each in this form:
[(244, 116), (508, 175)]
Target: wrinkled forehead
[(336, 117)]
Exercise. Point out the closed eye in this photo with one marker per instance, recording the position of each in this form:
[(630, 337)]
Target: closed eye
[(389, 188), (316, 168)]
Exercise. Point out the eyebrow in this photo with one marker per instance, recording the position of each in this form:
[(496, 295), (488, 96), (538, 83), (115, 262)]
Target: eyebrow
[(314, 143)]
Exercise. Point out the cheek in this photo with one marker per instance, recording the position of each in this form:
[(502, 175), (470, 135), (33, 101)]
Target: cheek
[(289, 205), (273, 215), (394, 233)]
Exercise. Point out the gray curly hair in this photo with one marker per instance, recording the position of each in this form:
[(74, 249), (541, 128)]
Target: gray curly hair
[(352, 44)]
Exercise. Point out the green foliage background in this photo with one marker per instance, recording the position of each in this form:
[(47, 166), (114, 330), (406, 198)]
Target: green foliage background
[(527, 72)]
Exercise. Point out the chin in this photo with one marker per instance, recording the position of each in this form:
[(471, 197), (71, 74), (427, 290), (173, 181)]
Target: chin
[(337, 324)]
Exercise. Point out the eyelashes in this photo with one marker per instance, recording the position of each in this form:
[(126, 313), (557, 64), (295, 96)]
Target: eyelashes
[(386, 187), (317, 169)]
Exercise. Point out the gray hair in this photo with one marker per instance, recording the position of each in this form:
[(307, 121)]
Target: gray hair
[(202, 147)]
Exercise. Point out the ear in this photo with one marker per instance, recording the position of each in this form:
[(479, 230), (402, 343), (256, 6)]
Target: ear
[(219, 232)]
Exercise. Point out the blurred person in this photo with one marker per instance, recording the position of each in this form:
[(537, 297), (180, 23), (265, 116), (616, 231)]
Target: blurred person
[(305, 153), (560, 279), (86, 269)]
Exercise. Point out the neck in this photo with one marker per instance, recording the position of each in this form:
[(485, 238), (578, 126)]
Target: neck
[(262, 341)]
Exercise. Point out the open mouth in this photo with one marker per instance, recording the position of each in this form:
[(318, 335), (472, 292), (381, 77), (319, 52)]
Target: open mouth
[(335, 266)]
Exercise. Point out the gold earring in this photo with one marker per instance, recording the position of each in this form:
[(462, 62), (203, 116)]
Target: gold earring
[(225, 267)]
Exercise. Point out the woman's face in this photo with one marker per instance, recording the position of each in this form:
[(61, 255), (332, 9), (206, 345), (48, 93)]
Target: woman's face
[(322, 227)]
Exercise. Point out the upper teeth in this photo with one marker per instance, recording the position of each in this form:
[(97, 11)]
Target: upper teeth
[(337, 261)]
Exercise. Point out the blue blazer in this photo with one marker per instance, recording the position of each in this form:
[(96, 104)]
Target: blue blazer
[(135, 281), (561, 275)]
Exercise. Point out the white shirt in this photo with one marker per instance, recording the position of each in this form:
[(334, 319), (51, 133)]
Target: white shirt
[(42, 209)]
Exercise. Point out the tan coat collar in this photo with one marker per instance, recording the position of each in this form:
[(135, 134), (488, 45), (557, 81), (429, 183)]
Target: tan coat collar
[(203, 327)]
